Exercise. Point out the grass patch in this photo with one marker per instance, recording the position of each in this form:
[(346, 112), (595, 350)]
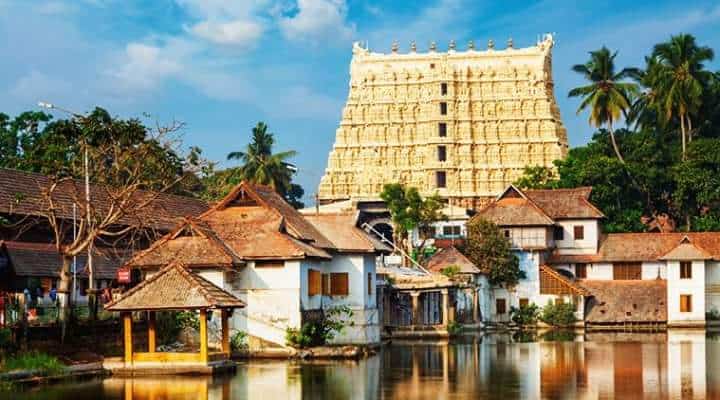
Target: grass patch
[(34, 360)]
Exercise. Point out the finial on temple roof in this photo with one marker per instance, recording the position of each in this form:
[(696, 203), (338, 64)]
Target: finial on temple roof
[(433, 46), (510, 43), (471, 45), (452, 45), (413, 46), (491, 44), (395, 46)]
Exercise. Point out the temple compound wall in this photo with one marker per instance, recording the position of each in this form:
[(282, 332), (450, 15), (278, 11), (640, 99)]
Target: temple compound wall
[(462, 124)]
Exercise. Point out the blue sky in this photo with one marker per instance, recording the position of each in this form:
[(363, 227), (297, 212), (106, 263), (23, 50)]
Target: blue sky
[(222, 65)]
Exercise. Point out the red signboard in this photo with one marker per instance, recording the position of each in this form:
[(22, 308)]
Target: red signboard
[(123, 275)]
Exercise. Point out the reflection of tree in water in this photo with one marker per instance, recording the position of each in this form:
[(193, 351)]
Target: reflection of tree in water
[(324, 382)]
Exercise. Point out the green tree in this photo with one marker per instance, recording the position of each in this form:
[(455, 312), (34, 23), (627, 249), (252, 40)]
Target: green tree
[(679, 79), (260, 165), (697, 194), (537, 177), (490, 251), (409, 211), (607, 97)]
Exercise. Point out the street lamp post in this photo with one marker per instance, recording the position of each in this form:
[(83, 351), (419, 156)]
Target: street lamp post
[(91, 274)]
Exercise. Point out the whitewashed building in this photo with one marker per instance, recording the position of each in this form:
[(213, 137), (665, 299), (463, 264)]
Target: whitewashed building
[(286, 268), (663, 278)]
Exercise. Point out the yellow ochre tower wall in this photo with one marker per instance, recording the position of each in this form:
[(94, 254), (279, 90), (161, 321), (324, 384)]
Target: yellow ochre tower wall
[(463, 124)]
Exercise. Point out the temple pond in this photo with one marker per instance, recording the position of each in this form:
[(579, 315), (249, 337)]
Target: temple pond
[(673, 364)]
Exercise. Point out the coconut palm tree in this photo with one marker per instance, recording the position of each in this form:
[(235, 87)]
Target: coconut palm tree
[(260, 165), (607, 97), (680, 79)]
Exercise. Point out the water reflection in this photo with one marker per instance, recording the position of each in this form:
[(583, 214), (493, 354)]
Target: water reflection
[(674, 365)]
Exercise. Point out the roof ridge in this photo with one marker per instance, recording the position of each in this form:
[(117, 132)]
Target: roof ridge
[(142, 284)]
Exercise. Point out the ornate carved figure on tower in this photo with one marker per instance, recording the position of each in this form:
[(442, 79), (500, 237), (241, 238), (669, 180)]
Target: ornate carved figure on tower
[(480, 107)]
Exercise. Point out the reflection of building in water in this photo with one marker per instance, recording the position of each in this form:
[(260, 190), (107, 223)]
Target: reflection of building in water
[(176, 388)]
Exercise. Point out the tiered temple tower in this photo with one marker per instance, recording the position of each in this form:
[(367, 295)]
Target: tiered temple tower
[(463, 124)]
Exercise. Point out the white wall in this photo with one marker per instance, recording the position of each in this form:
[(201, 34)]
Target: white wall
[(712, 286), (599, 271), (651, 270), (694, 286), (569, 245), (527, 237)]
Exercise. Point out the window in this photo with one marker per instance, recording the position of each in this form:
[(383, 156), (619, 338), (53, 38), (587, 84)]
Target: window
[(432, 65), (326, 284), (339, 284), (506, 232), (443, 89), (685, 303), (453, 230), (685, 270), (581, 271), (440, 179), (627, 271), (558, 233), (442, 153), (524, 302), (500, 306), (442, 129), (579, 232), (314, 282), (559, 301), (370, 283), (443, 108), (269, 264)]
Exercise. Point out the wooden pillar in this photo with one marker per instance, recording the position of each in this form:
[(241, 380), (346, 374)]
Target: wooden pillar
[(151, 332), (416, 318), (127, 339), (225, 332), (203, 336), (445, 307)]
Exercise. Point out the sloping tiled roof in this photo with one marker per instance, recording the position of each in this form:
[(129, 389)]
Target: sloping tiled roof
[(686, 250), (295, 223), (563, 280), (21, 193), (250, 223), (626, 301), (340, 229), (43, 260), (514, 208), (565, 203), (451, 256), (175, 288), (649, 246)]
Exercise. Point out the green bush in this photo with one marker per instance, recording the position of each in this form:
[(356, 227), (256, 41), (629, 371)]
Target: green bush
[(238, 341), (560, 314), (712, 315), (454, 328), (450, 271), (525, 315), (36, 361), (170, 324), (320, 332)]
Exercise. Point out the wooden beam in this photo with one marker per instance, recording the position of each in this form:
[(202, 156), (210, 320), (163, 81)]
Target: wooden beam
[(127, 337), (225, 332), (203, 336), (151, 332)]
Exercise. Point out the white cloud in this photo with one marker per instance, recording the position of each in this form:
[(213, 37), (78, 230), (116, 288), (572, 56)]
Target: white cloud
[(145, 67), (318, 21), (242, 33)]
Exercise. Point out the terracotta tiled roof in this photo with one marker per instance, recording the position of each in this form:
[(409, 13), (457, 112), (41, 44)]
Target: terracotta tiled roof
[(565, 203), (563, 280), (626, 301), (295, 224), (451, 256), (686, 250), (644, 247), (514, 208), (21, 193), (340, 229), (43, 260), (175, 288)]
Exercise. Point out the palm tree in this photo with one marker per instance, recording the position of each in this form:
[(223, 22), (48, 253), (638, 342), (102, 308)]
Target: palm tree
[(680, 79), (260, 165), (606, 96)]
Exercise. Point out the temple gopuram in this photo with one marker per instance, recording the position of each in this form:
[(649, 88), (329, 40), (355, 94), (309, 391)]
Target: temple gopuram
[(463, 124)]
